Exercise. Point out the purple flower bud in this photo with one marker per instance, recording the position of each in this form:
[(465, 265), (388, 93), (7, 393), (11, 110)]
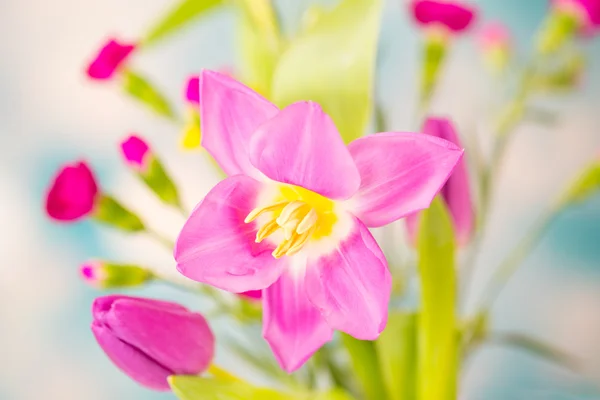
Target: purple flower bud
[(150, 340)]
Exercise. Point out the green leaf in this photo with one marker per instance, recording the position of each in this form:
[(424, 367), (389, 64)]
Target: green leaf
[(437, 354), (366, 366), (397, 354), (115, 275), (333, 64), (260, 44), (109, 211), (197, 388), (586, 185), (140, 89), (178, 17), (331, 395)]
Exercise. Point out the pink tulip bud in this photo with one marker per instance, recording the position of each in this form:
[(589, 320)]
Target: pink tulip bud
[(586, 12), (136, 152), (192, 90), (108, 60), (150, 340), (494, 35), (453, 16), (457, 190), (107, 275), (73, 193), (252, 294)]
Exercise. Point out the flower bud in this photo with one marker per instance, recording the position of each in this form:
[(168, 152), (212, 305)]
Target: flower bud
[(457, 190), (453, 16), (73, 193), (106, 275), (138, 155), (109, 59), (252, 294), (494, 41), (190, 139), (150, 340)]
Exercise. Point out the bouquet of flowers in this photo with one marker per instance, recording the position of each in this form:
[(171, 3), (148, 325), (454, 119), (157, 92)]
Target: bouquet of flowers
[(287, 238)]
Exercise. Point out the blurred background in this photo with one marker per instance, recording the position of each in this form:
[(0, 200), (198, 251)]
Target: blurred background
[(51, 113)]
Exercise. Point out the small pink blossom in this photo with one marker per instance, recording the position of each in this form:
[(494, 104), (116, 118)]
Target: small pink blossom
[(92, 273), (109, 59), (72, 193), (192, 90), (136, 152), (457, 190), (150, 340), (292, 218), (494, 35), (455, 16), (252, 294)]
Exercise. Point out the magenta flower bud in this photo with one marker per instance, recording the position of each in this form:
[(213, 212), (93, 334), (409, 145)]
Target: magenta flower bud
[(109, 59), (136, 152), (452, 16), (457, 190), (252, 294), (192, 90), (586, 12), (150, 340), (73, 192), (107, 275)]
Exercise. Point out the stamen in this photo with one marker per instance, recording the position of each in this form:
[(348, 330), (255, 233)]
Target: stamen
[(287, 211), (266, 230), (307, 222), (259, 211), (299, 242), (282, 248)]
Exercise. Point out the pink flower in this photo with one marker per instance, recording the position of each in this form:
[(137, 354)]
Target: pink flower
[(111, 56), (453, 15), (136, 152), (587, 12), (73, 192), (293, 216), (457, 190), (150, 340), (494, 35), (252, 294), (192, 90)]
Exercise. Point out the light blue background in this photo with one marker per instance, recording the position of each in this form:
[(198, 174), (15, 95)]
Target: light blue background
[(49, 114)]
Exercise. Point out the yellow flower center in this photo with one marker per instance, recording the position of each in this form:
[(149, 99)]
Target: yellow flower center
[(300, 214)]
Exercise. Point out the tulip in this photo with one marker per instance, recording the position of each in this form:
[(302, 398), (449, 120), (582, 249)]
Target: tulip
[(585, 12), (73, 193), (109, 59), (448, 16), (252, 294), (138, 156), (292, 218), (457, 190), (150, 340), (106, 275), (567, 19)]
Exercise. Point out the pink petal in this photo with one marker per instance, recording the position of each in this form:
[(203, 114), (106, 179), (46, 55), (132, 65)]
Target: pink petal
[(110, 57), (132, 361), (230, 113), (72, 193), (252, 294), (174, 338), (301, 146), (400, 174), (455, 15), (135, 150), (457, 190), (352, 285), (293, 326), (216, 247)]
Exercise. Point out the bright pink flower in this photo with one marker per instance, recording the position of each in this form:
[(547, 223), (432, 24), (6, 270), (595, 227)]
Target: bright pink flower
[(136, 152), (111, 56), (453, 15), (192, 90), (252, 294), (457, 190), (73, 192), (293, 216), (586, 11), (150, 340), (494, 35)]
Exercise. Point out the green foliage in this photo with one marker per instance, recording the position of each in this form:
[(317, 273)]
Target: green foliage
[(161, 184), (178, 17), (560, 27), (197, 388), (109, 211), (397, 354), (586, 185), (366, 366), (437, 354), (434, 54), (142, 90), (333, 63), (120, 276)]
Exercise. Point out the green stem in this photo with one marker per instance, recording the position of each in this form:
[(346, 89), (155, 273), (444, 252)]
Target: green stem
[(222, 374)]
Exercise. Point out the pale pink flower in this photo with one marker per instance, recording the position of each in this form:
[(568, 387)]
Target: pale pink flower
[(292, 218)]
